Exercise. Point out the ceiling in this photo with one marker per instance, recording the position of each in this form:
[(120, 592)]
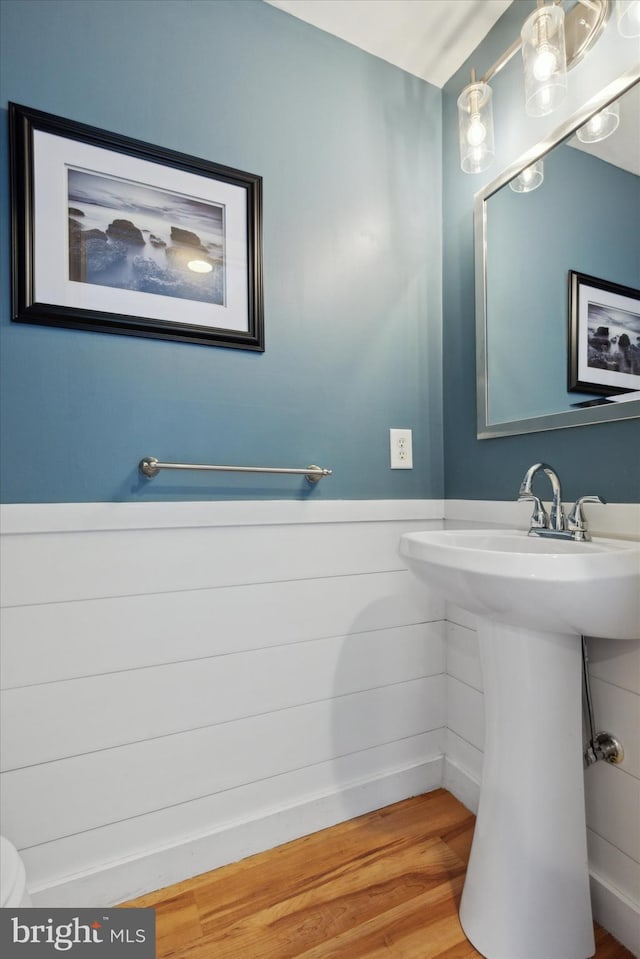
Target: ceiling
[(428, 38), (432, 39)]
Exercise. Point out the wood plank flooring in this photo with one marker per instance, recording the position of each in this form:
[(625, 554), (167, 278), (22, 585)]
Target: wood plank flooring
[(383, 886)]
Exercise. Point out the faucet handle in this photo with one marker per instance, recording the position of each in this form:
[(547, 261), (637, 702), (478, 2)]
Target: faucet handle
[(576, 520), (539, 517)]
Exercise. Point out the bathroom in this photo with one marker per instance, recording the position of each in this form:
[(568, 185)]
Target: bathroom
[(198, 666)]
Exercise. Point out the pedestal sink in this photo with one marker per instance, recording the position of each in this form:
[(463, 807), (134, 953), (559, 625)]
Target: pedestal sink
[(526, 894)]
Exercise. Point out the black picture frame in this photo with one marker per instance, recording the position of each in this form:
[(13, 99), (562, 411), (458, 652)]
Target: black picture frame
[(70, 269), (604, 336)]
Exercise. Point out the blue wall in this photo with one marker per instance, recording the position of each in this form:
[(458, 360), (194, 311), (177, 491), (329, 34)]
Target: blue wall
[(350, 151), (603, 458)]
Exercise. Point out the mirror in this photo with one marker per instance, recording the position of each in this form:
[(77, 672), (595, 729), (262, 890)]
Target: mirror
[(557, 305)]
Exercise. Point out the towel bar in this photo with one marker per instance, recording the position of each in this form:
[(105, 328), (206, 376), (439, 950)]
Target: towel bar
[(150, 467)]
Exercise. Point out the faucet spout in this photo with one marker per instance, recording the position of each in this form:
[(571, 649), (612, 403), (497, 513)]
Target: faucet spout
[(556, 519), (555, 525)]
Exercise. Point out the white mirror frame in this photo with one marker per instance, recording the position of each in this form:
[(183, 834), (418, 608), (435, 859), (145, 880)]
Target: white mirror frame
[(566, 418)]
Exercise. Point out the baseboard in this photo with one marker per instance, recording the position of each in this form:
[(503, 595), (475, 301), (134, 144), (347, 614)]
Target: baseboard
[(611, 908), (615, 912), (461, 783), (120, 881)]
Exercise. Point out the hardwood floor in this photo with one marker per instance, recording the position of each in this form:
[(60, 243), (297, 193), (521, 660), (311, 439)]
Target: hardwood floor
[(383, 886)]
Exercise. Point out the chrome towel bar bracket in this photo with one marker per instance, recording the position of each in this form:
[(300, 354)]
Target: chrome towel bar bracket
[(150, 467)]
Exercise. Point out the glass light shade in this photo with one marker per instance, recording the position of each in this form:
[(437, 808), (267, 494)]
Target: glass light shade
[(628, 12), (545, 60), (475, 127), (530, 178), (601, 125)]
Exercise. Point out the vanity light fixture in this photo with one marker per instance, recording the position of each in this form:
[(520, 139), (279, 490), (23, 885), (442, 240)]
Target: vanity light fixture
[(551, 43), (628, 17), (601, 125), (475, 126), (544, 57), (530, 178)]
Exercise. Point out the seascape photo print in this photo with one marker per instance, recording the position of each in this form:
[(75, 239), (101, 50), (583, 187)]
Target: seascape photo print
[(613, 339), (136, 237)]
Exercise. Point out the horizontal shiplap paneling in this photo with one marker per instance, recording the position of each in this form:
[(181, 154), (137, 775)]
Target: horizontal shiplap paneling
[(464, 755), (193, 680), (465, 712), (58, 567), (56, 641), (459, 616), (612, 800), (85, 852), (21, 518), (71, 795), (616, 661), (161, 700), (609, 861), (618, 711), (463, 655), (178, 629)]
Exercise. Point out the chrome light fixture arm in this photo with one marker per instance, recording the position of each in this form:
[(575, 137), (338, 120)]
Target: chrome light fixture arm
[(584, 24), (566, 39)]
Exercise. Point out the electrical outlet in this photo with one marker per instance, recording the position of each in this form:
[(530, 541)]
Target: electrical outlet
[(401, 450)]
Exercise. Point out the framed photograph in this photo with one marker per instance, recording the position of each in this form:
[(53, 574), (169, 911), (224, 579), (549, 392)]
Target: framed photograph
[(604, 336), (115, 235)]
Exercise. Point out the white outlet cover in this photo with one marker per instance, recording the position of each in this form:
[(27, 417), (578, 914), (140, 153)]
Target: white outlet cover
[(400, 449)]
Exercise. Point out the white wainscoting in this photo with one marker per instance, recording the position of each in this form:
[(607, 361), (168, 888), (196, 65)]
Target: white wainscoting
[(612, 792), (186, 684)]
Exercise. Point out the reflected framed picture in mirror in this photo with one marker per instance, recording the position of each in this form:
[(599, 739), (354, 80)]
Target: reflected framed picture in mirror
[(604, 336), (522, 311)]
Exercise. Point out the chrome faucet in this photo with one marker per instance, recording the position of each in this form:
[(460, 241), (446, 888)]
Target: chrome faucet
[(555, 524), (540, 520)]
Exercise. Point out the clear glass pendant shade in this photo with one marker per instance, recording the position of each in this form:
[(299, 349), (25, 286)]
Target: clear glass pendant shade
[(545, 60), (475, 127), (530, 178), (628, 13), (601, 125)]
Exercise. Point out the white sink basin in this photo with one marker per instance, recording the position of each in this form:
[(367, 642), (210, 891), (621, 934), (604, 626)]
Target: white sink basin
[(526, 892), (537, 582)]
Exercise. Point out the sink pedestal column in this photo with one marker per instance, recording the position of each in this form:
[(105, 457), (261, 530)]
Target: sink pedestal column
[(526, 894)]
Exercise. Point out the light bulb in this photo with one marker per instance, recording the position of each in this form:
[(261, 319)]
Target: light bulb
[(477, 132), (544, 58), (545, 63), (601, 125), (530, 178), (594, 126), (544, 99), (475, 127)]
